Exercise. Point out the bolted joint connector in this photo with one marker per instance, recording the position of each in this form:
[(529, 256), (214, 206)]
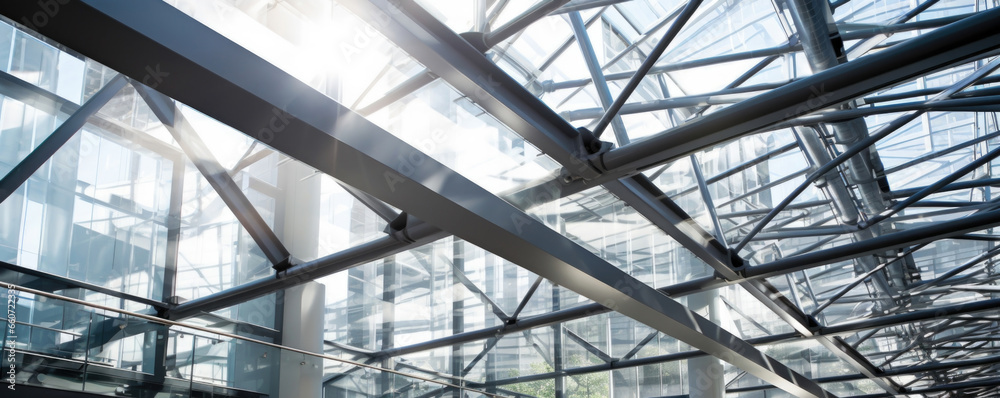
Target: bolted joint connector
[(477, 40), (736, 262), (812, 324), (590, 155), (397, 228), (590, 144), (284, 264)]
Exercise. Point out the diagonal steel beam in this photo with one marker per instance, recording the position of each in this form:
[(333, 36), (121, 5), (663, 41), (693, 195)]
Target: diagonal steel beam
[(642, 343), (520, 22), (600, 84), (589, 347), (48, 147), (34, 96), (864, 46), (611, 112), (217, 176), (465, 68), (896, 240), (597, 75), (484, 298), (252, 96), (26, 276)]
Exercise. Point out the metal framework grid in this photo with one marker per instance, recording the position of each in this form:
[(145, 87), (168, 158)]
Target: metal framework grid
[(875, 246)]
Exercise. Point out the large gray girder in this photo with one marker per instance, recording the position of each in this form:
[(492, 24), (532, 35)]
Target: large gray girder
[(266, 103)]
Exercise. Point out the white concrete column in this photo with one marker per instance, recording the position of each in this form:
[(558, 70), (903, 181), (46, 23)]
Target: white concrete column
[(302, 328), (301, 376)]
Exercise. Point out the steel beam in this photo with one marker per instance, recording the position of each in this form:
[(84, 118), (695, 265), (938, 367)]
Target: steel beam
[(937, 185), (51, 283), (971, 103), (217, 176), (34, 96), (600, 354), (381, 209), (932, 91), (465, 68), (862, 146), (937, 154), (407, 87), (706, 196), (799, 98), (901, 239), (520, 22), (673, 67), (305, 272), (721, 97), (989, 182), (600, 84), (48, 147), (862, 47)]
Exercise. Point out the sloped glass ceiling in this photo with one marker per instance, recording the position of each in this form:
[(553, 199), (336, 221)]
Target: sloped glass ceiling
[(852, 241)]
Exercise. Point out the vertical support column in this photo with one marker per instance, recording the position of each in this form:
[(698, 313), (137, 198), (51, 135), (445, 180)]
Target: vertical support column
[(706, 374), (298, 210), (301, 309), (302, 376), (173, 230)]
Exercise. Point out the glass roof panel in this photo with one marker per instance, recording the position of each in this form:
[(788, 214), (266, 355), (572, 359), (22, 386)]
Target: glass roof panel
[(614, 231), (452, 308)]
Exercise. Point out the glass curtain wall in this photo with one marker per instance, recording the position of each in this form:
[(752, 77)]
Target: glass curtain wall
[(121, 215)]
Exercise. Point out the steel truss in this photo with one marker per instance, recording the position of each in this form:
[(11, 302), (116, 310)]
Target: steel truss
[(340, 144)]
